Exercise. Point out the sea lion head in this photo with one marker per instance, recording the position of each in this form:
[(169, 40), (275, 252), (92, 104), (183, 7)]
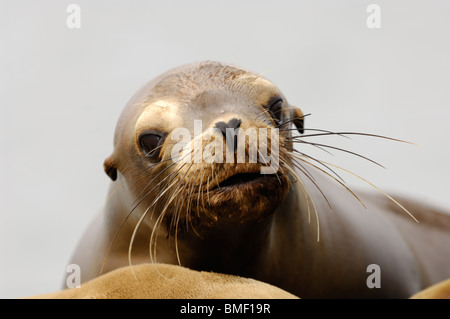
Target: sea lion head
[(205, 144)]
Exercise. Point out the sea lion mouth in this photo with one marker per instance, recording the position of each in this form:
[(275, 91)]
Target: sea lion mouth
[(232, 194), (240, 179)]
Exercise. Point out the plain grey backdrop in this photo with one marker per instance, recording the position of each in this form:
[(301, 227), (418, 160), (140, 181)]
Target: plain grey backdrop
[(62, 90)]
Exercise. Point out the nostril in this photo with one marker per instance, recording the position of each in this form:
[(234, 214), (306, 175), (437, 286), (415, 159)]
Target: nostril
[(233, 124), (222, 126)]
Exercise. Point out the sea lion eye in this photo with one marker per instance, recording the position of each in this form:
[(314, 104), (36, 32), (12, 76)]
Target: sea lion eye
[(150, 144), (276, 110)]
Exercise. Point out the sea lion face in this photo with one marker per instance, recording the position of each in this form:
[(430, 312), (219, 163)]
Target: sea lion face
[(205, 144)]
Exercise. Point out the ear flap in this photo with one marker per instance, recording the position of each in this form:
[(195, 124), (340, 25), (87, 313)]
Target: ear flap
[(298, 118), (110, 168)]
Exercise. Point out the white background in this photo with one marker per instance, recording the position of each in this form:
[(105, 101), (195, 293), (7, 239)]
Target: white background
[(62, 90)]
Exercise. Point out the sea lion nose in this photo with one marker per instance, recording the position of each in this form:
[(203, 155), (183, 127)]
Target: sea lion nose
[(232, 124)]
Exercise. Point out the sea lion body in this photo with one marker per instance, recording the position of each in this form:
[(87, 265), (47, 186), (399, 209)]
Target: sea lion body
[(277, 228)]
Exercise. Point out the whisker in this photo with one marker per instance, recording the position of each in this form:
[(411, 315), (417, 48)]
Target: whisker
[(305, 189), (124, 221), (157, 225), (261, 156), (207, 190), (346, 187), (316, 185), (163, 190), (149, 183), (132, 240), (354, 133), (378, 189), (313, 130), (326, 132), (181, 181), (178, 213), (176, 229), (342, 150), (172, 175), (110, 195), (200, 191), (306, 194), (293, 119), (300, 167), (316, 146), (189, 207), (291, 171), (316, 160), (139, 223), (266, 111)]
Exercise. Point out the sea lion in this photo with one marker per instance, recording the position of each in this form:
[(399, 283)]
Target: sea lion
[(164, 281), (298, 227)]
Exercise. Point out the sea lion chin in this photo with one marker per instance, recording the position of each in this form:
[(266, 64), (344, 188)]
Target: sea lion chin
[(241, 198)]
